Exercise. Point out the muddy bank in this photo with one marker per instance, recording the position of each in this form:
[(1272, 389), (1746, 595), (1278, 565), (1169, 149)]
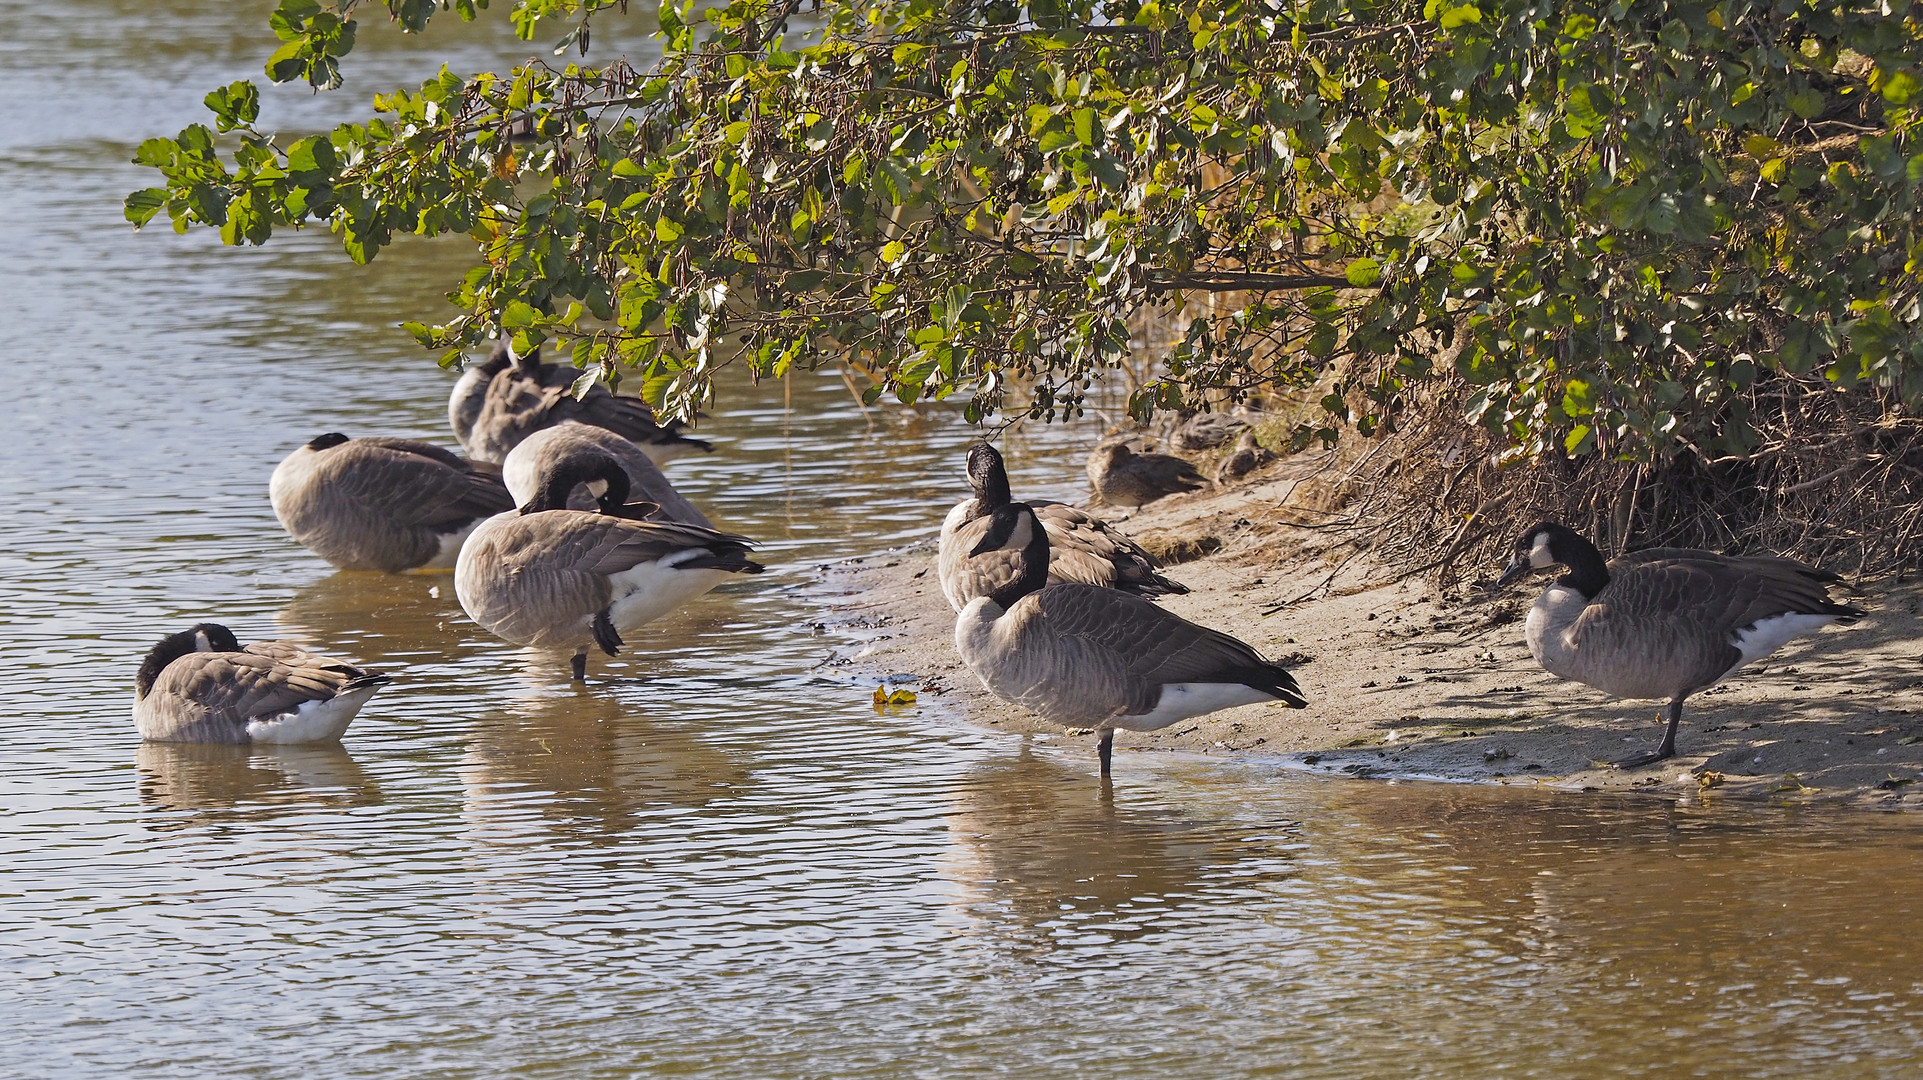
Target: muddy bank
[(1407, 682)]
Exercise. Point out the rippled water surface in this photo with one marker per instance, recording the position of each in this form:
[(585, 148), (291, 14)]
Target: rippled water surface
[(719, 860)]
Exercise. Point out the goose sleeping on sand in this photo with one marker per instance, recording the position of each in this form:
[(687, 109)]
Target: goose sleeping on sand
[(1084, 656), (200, 686), (1664, 622), (504, 399), (382, 504), (550, 577), (1081, 547)]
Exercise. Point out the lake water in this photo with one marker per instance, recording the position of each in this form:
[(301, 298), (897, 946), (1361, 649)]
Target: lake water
[(719, 860)]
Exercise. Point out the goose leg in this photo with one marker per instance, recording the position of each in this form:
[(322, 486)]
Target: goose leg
[(1664, 750), (1106, 749), (580, 664)]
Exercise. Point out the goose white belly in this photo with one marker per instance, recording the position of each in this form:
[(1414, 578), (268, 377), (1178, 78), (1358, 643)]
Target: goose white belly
[(1765, 636), (314, 721), (1179, 701), (450, 550), (652, 589)]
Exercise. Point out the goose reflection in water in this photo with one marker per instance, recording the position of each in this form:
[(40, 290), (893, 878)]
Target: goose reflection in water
[(584, 766), (396, 617), (1042, 855), (202, 783)]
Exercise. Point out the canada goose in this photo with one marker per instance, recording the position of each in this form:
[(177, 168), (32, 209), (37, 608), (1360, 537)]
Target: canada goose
[(541, 450), (200, 686), (1122, 477), (1083, 656), (549, 577), (1247, 457), (501, 401), (1663, 622), (1081, 547), (382, 504)]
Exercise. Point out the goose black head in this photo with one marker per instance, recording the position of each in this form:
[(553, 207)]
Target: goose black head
[(988, 476), (1548, 544), (589, 467), (327, 441), (201, 637)]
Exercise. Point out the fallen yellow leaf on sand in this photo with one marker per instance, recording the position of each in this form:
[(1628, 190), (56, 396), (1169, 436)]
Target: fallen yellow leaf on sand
[(885, 697)]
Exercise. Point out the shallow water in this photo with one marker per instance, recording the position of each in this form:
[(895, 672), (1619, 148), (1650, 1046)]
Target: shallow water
[(720, 860)]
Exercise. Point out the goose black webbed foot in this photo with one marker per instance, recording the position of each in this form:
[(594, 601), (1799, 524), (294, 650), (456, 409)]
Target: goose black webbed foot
[(579, 664), (1665, 749)]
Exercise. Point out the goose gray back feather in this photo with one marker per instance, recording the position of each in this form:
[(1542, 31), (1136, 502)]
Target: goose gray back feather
[(380, 503), (552, 446), (526, 395)]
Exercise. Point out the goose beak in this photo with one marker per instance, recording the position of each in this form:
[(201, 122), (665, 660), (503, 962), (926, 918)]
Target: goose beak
[(1517, 569)]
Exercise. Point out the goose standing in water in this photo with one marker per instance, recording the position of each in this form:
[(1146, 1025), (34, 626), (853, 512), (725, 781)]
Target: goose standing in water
[(200, 686), (502, 401), (550, 577), (548, 447), (382, 504), (1083, 656), (1664, 622), (1080, 547), (1122, 477)]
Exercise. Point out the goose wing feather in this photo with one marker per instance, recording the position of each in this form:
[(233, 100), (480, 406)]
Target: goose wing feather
[(1084, 548), (249, 685), (1676, 613), (1128, 642), (412, 483)]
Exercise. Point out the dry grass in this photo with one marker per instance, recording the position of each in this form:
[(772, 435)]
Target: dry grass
[(1837, 480)]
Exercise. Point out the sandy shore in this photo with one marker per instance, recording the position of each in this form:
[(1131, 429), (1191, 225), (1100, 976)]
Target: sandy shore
[(1406, 682)]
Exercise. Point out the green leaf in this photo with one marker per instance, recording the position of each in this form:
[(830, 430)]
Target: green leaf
[(1363, 272), (142, 205), (1806, 103)]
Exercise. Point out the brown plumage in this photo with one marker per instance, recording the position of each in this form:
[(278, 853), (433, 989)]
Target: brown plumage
[(1664, 623), (498, 403), (380, 503), (1247, 457), (551, 577), (200, 686), (1122, 477), (1083, 656), (1081, 547)]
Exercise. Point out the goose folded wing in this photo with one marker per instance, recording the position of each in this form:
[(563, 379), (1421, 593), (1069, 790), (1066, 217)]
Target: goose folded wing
[(252, 685), (1154, 646), (418, 484), (613, 545)]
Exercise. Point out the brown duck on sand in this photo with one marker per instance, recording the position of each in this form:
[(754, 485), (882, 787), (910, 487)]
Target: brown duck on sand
[(1122, 477), (1664, 622)]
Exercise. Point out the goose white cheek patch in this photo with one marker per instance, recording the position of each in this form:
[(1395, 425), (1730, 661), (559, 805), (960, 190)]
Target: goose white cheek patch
[(1539, 555)]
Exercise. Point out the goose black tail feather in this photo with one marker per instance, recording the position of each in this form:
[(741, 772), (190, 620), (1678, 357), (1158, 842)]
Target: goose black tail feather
[(1270, 679), (364, 680), (732, 561), (605, 635), (1161, 586)]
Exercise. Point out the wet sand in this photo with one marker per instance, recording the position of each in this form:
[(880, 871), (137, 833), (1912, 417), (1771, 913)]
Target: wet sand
[(1407, 682)]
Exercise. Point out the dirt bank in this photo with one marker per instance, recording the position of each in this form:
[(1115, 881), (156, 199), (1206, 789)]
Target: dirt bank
[(1405, 682)]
